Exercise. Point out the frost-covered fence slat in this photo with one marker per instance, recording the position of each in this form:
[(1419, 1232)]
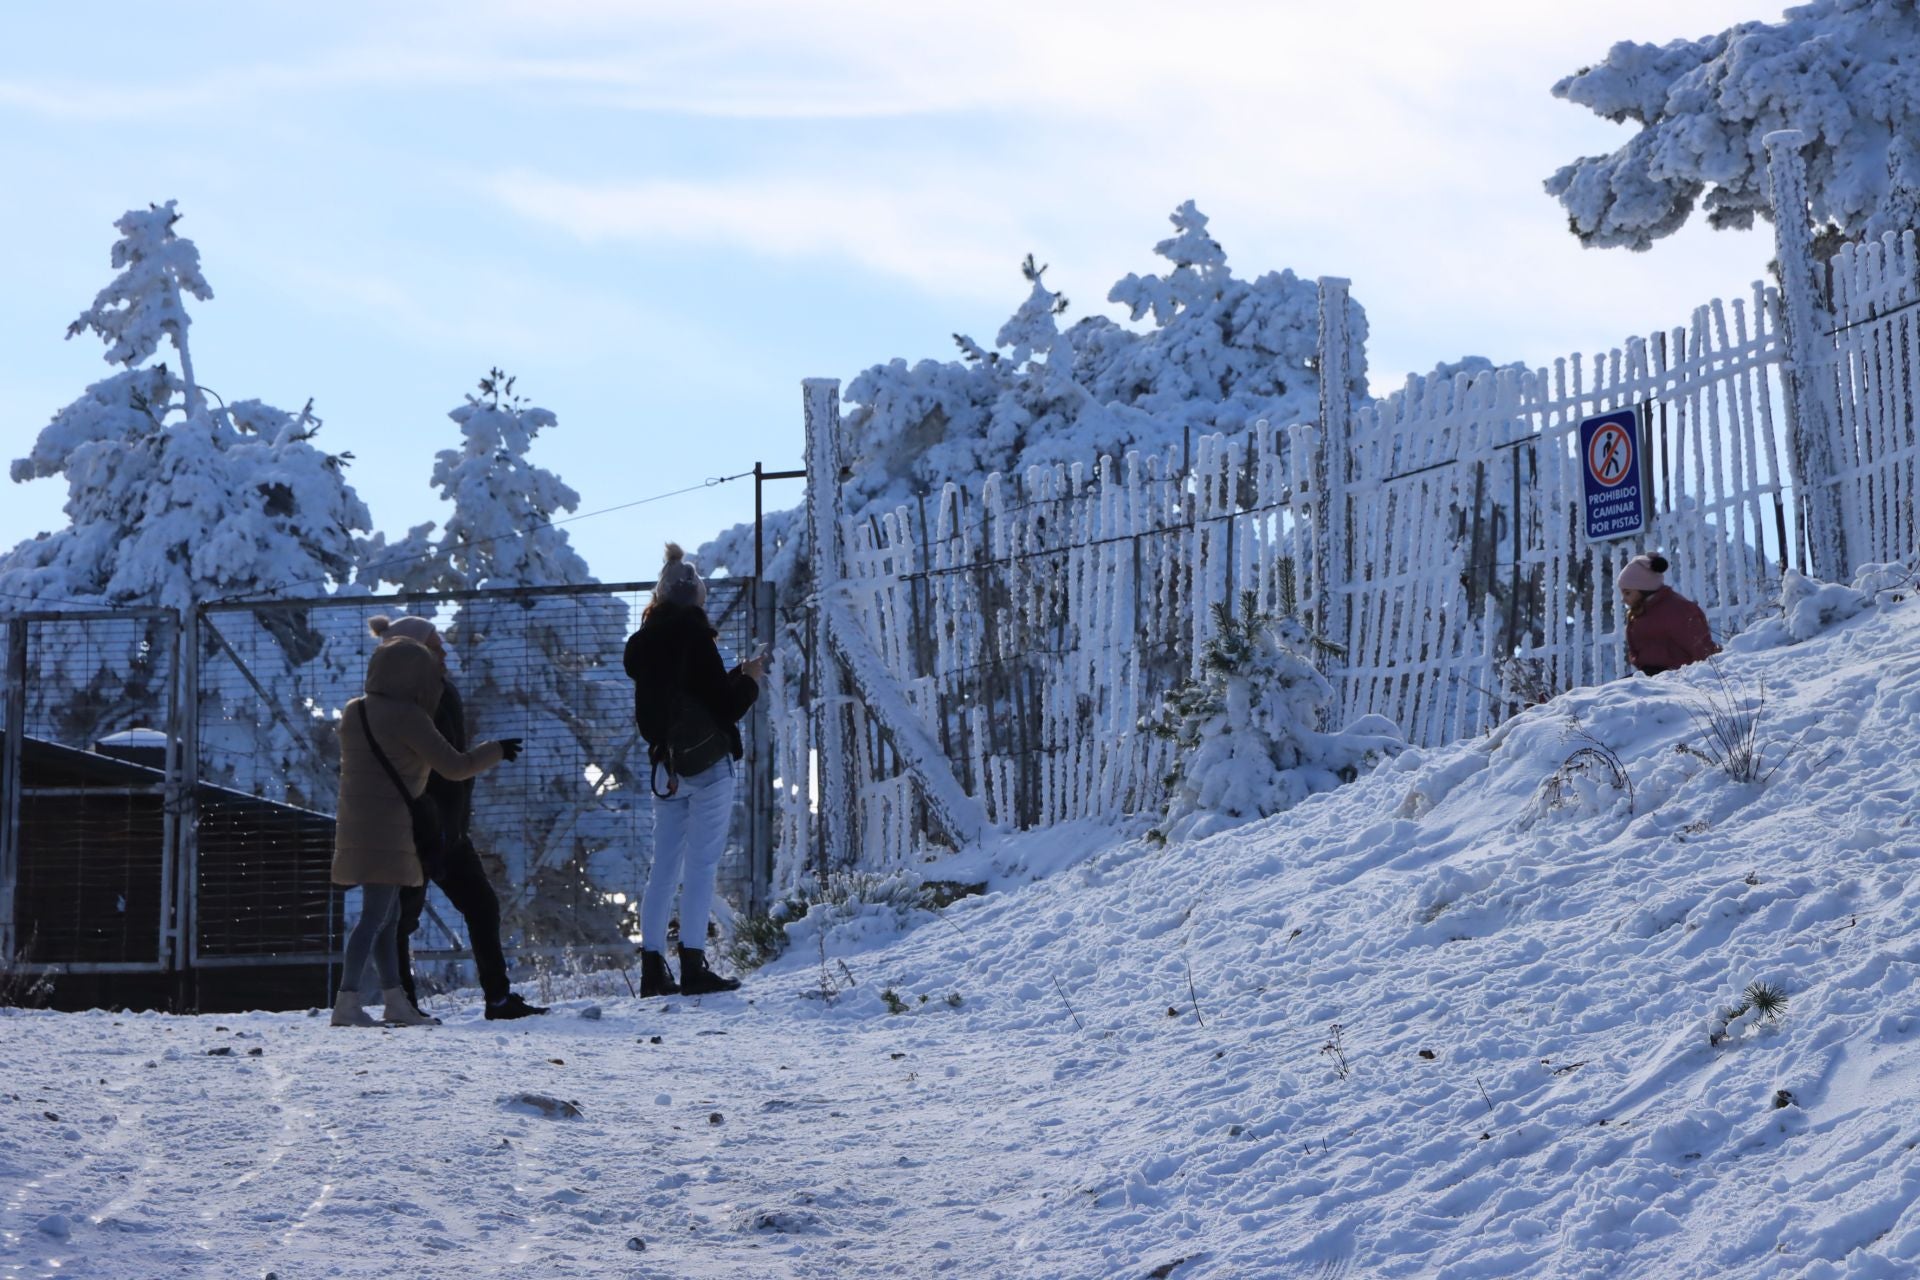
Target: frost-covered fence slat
[(1876, 288), (1808, 360), (792, 731)]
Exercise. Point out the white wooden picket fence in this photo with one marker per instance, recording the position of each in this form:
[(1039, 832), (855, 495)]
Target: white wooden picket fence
[(1006, 639), (1876, 332)]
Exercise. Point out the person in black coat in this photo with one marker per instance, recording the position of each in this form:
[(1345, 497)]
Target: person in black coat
[(457, 871), (688, 707)]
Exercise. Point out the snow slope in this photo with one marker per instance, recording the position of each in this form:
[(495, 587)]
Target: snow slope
[(1078, 1114)]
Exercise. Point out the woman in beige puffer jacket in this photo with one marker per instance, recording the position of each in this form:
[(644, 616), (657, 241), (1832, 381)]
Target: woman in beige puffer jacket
[(373, 830)]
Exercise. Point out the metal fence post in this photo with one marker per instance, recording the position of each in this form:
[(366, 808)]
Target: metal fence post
[(173, 810), (1808, 373), (824, 517), (760, 841), (13, 722), (1332, 551), (183, 797)]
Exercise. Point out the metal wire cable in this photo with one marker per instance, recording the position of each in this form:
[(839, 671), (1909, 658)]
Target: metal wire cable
[(256, 593)]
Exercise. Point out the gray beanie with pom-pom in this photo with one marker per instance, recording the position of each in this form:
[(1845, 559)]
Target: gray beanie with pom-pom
[(411, 627), (679, 581)]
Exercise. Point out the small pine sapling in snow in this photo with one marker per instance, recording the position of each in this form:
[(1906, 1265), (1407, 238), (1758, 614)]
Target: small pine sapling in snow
[(1761, 999), (761, 938), (1245, 727), (1766, 1000)]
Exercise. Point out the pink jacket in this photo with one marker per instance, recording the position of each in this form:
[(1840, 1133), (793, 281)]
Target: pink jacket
[(1667, 631)]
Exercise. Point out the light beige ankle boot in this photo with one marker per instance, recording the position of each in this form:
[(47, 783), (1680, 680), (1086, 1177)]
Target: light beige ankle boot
[(400, 1010), (347, 1011)]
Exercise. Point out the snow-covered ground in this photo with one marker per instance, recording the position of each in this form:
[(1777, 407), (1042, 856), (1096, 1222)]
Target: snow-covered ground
[(1523, 1081)]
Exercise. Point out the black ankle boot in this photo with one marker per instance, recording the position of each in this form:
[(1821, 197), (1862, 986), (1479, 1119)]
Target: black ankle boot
[(698, 980), (655, 978)]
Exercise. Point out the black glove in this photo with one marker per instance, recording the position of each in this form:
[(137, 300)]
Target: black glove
[(510, 749)]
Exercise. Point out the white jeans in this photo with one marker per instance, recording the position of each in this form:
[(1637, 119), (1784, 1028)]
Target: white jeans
[(689, 835)]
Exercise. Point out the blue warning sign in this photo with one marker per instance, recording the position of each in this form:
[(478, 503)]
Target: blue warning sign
[(1613, 491)]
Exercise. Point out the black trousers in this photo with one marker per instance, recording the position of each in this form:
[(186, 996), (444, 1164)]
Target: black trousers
[(465, 883)]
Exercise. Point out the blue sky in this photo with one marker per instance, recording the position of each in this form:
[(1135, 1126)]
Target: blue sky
[(661, 218)]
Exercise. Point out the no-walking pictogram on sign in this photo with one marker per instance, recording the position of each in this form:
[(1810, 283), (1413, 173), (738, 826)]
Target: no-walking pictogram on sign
[(1613, 491)]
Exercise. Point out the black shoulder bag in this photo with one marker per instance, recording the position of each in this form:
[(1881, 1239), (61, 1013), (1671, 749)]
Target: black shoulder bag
[(429, 840)]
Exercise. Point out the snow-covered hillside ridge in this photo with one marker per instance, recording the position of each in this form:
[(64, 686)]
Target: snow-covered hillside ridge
[(1530, 1073), (1465, 1017)]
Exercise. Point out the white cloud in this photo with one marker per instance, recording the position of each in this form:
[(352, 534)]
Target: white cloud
[(936, 235), (1108, 60)]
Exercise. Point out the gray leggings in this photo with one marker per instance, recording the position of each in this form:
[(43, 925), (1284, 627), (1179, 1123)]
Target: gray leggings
[(375, 934)]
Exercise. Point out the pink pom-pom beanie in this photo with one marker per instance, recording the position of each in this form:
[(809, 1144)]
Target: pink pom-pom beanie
[(1643, 573)]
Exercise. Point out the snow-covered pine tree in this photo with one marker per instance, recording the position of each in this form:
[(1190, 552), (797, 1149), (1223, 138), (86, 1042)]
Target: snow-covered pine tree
[(1245, 731), (547, 669), (1223, 353), (172, 502), (1847, 72)]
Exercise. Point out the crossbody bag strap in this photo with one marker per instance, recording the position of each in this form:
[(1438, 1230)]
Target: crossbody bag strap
[(393, 773)]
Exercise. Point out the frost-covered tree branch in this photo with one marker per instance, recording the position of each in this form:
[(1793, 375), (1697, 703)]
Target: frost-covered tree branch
[(142, 305), (1846, 72)]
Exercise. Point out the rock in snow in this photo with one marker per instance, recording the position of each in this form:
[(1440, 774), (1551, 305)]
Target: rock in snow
[(541, 1105)]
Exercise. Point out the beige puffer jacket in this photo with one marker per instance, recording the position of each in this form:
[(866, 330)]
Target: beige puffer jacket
[(373, 832)]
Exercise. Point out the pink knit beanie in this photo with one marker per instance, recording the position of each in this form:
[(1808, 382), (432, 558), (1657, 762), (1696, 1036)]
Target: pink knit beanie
[(1643, 573)]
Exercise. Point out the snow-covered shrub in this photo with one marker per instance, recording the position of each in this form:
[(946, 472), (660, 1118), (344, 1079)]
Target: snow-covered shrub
[(849, 909), (1807, 607), (1220, 353), (1245, 730), (1593, 777), (1887, 583), (1842, 71)]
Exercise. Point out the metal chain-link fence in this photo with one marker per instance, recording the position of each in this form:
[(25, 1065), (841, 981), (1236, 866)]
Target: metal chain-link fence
[(86, 822), (167, 788)]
